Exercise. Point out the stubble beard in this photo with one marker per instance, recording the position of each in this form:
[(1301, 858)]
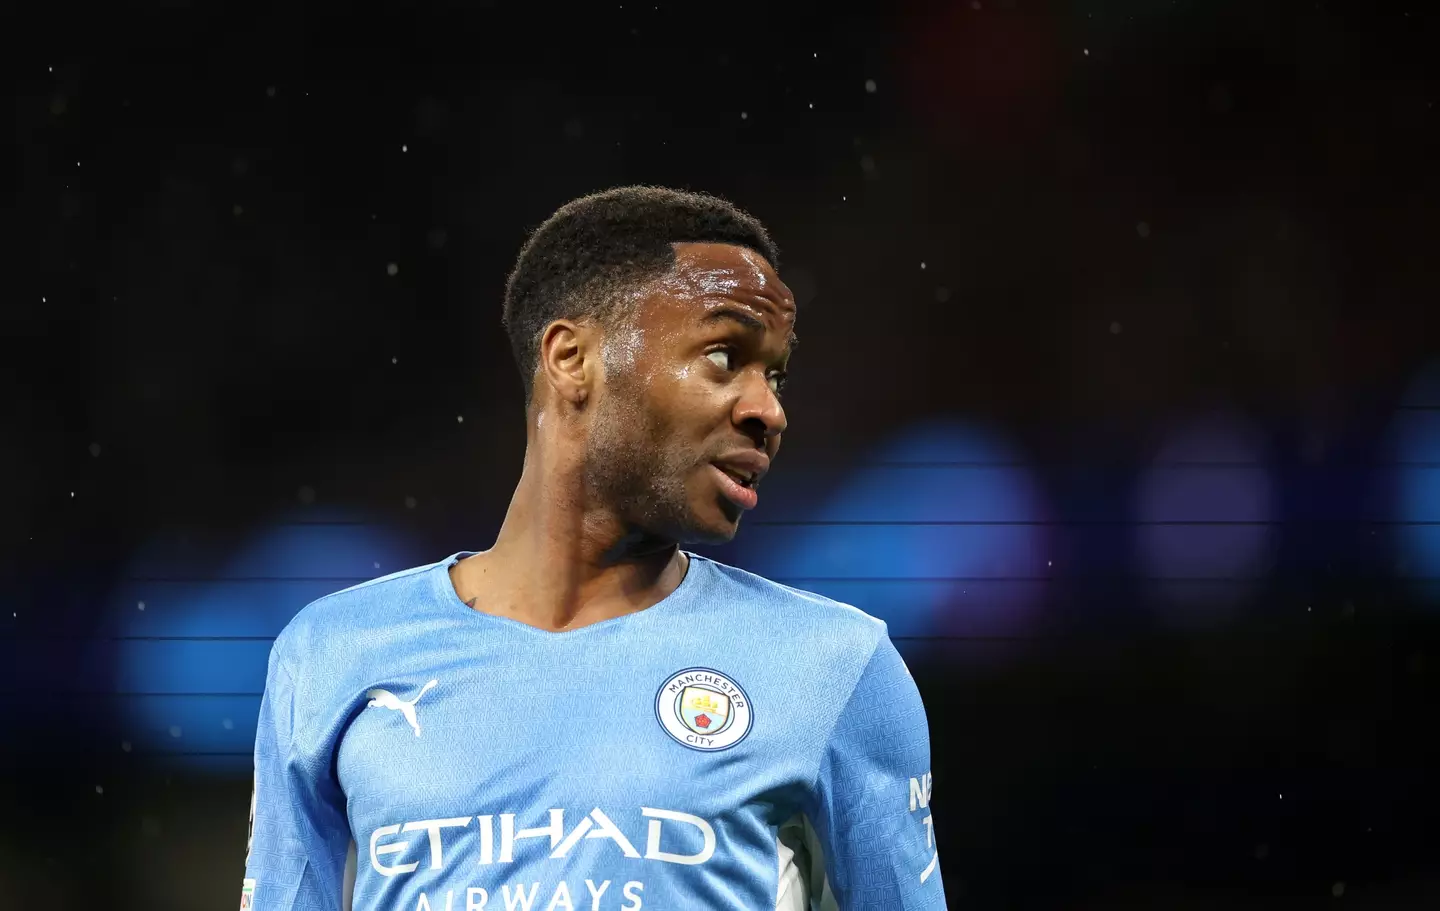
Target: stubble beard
[(634, 470)]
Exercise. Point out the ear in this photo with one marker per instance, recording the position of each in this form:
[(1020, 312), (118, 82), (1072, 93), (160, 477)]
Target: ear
[(570, 360)]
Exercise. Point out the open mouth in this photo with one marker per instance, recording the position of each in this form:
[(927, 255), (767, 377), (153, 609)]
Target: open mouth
[(738, 486), (742, 478)]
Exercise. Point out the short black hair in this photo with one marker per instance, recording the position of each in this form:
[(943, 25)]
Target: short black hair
[(579, 262)]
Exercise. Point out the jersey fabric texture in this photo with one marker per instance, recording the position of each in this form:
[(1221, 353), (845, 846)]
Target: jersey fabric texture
[(738, 745)]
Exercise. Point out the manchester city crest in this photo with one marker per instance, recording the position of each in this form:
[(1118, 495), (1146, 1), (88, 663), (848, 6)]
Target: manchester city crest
[(703, 709)]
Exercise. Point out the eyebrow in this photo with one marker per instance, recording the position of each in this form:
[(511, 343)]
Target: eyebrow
[(747, 320)]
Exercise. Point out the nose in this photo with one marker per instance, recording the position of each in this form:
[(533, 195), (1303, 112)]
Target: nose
[(759, 412)]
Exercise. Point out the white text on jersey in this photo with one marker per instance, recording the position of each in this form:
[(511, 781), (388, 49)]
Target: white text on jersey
[(595, 825)]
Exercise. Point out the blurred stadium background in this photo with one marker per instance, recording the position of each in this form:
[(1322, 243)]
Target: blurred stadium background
[(1119, 399)]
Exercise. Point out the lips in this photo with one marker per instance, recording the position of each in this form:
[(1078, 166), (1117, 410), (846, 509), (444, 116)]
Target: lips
[(738, 474), (741, 477), (746, 467)]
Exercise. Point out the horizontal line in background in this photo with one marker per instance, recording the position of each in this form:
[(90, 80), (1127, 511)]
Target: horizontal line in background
[(151, 754), (80, 637), (335, 579), (101, 694), (1094, 578), (1085, 523), (1132, 465)]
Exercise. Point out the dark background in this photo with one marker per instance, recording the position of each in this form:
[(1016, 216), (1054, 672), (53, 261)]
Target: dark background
[(1117, 398)]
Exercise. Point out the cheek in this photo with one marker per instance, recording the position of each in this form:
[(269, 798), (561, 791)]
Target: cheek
[(624, 351)]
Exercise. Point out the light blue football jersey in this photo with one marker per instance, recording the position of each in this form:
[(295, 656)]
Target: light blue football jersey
[(738, 745)]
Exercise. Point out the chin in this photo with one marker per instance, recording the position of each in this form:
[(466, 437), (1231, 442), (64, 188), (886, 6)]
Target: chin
[(720, 529)]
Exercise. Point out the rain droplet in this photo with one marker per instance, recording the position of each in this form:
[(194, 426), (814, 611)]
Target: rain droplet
[(140, 605), (405, 148), (99, 789), (125, 746), (459, 418), (227, 724), (394, 360), (306, 495), (392, 269), (744, 115), (270, 91), (175, 730), (1142, 228), (922, 265), (95, 450), (870, 86), (1338, 889), (410, 503), (1114, 328)]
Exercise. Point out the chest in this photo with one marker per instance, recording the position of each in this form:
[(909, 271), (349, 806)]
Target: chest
[(654, 750)]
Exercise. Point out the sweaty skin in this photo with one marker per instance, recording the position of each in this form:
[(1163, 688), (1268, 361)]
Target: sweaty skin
[(622, 438)]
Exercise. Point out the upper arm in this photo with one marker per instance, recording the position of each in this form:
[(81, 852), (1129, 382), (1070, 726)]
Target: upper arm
[(298, 832), (870, 802)]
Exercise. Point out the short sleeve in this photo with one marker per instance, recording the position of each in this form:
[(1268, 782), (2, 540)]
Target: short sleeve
[(870, 806), (299, 836)]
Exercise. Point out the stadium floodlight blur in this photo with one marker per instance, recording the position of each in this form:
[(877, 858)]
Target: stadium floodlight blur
[(198, 621)]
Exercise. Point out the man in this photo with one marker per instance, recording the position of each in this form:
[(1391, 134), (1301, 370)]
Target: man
[(586, 716)]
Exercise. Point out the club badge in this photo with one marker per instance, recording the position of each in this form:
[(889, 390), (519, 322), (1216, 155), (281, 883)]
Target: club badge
[(703, 709)]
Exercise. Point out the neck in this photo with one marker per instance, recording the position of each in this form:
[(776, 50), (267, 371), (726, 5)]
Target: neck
[(560, 562)]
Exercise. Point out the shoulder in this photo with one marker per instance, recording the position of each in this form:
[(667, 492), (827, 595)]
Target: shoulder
[(342, 618), (798, 617)]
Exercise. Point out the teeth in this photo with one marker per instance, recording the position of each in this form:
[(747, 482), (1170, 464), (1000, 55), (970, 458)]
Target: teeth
[(742, 480)]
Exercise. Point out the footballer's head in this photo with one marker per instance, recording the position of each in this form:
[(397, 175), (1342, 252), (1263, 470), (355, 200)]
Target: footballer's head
[(652, 324)]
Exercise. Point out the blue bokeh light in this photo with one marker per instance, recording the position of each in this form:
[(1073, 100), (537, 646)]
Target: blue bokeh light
[(1414, 449), (191, 664), (940, 531), (1204, 510)]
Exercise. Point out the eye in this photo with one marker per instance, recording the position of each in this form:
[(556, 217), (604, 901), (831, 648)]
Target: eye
[(724, 358), (777, 382)]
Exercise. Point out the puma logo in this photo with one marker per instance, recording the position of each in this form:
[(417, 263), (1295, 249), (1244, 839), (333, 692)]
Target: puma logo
[(385, 699)]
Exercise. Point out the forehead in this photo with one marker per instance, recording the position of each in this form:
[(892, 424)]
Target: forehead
[(709, 275)]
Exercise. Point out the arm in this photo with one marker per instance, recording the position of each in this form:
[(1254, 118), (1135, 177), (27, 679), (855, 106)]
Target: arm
[(299, 836), (870, 803)]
